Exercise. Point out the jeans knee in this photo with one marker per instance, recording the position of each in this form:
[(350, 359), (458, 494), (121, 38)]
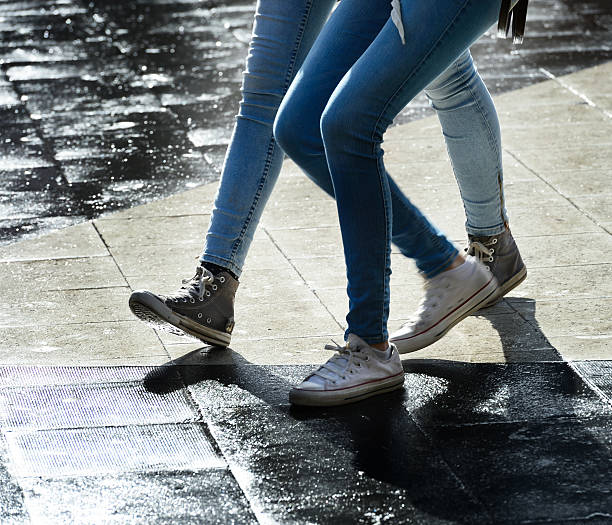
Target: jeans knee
[(334, 125), (287, 131), (451, 89)]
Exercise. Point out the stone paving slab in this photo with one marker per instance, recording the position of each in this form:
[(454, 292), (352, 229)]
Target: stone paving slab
[(505, 420)]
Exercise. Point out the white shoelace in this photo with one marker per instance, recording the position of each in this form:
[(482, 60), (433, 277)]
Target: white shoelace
[(196, 286), (343, 362), (481, 252)]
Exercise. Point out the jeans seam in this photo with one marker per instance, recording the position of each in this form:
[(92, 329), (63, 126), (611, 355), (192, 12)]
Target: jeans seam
[(272, 144), (493, 143)]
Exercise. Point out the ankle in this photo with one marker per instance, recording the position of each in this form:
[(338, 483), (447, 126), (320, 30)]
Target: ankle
[(457, 261), (383, 347)]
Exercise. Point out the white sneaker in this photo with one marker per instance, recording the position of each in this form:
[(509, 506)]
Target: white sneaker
[(356, 372), (449, 297)]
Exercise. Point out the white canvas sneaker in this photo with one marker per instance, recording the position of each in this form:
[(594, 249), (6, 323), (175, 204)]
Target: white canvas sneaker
[(449, 297), (357, 371)]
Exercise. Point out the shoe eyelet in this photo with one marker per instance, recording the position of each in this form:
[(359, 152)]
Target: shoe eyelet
[(491, 251), (207, 293), (490, 259), (214, 287), (200, 315), (184, 300), (192, 300), (494, 241), (209, 320), (201, 299), (221, 279)]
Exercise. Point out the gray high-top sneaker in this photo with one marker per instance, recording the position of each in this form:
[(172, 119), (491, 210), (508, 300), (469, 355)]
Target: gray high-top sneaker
[(202, 308), (501, 256)]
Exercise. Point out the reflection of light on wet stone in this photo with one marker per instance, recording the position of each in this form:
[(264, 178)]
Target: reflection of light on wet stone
[(18, 163), (121, 125), (20, 73), (208, 137), (152, 80), (8, 98)]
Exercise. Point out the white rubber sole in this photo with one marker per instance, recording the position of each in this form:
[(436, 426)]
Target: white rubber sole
[(406, 344), (155, 313), (323, 398)]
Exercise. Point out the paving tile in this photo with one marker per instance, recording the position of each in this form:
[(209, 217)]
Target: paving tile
[(180, 260), (11, 493), (565, 250), (551, 114), (309, 242), (294, 187), (574, 159), (579, 347), (598, 207), (566, 282), (46, 375), (282, 215), (543, 136), (586, 317), (129, 342), (353, 480), (281, 351), (330, 271), (536, 471), (598, 375), (198, 200), (490, 339), (94, 405), (589, 182), (81, 240), (261, 286), (588, 81), (448, 394), (211, 497), (281, 320), (64, 307), (153, 230), (96, 451), (32, 277)]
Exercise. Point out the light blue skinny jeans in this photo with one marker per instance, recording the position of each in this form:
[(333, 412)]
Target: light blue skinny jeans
[(283, 34), (357, 77)]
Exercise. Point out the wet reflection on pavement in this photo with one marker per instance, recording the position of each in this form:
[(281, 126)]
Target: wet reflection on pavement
[(106, 105)]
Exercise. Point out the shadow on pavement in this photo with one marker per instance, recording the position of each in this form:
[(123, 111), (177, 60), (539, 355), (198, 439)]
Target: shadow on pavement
[(465, 442)]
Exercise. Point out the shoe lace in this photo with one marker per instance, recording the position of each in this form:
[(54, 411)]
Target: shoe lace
[(194, 287), (345, 361), (482, 251)]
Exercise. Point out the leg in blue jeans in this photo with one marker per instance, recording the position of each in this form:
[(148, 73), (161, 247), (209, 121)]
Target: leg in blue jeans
[(375, 86), (471, 131), (283, 33)]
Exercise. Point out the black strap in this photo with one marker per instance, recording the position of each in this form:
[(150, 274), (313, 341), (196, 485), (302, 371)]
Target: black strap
[(513, 17)]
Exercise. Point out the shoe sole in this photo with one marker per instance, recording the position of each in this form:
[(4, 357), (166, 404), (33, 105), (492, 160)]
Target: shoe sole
[(156, 314), (468, 307), (327, 398), (508, 286)]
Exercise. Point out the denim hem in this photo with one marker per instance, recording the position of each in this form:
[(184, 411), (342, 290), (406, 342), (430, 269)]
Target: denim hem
[(486, 232), (441, 267), (371, 340), (220, 261)]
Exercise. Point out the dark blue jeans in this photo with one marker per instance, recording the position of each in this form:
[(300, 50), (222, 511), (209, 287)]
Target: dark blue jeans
[(358, 76)]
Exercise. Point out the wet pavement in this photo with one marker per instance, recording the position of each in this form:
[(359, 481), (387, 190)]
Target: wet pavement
[(464, 443), (106, 105), (506, 420)]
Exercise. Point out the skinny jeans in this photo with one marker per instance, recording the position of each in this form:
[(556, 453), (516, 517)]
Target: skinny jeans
[(357, 77)]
